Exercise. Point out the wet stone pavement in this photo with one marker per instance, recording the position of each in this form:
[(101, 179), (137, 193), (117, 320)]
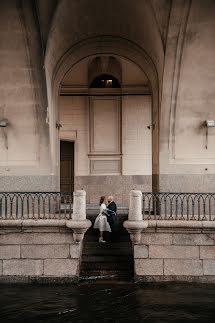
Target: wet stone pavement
[(107, 302)]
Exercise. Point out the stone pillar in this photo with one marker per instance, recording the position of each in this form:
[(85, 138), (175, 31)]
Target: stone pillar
[(79, 205), (135, 206), (135, 223), (79, 223)]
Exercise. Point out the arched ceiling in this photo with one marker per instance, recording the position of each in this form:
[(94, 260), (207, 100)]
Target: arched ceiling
[(141, 22), (46, 10), (131, 74)]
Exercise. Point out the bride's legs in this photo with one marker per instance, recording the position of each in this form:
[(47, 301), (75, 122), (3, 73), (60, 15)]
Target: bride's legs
[(101, 237)]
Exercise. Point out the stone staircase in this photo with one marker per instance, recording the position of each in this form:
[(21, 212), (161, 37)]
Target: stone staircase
[(111, 260)]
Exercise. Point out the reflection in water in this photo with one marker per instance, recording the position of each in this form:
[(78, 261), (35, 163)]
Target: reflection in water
[(107, 302)]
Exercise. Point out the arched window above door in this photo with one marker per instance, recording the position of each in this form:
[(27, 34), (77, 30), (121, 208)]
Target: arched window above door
[(105, 81)]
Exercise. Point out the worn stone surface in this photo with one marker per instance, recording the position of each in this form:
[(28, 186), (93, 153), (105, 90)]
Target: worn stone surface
[(192, 239), (141, 251), (176, 278), (207, 252), (1, 267), (9, 252), (182, 267), (36, 238), (190, 252), (45, 251), (27, 183), (75, 250), (156, 238), (61, 267), (23, 267), (148, 266), (209, 267)]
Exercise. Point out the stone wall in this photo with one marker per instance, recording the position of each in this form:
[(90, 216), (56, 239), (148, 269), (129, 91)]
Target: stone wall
[(38, 254), (175, 254)]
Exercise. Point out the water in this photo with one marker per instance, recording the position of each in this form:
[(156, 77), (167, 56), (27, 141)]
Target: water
[(107, 302)]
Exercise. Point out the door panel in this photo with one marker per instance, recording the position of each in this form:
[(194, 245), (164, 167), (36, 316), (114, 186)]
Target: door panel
[(66, 166)]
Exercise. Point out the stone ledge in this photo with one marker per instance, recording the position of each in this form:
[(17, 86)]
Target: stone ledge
[(33, 238), (174, 279), (32, 223), (180, 224), (13, 279)]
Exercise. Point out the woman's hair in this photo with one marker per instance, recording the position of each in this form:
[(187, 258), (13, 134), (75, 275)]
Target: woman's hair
[(102, 198)]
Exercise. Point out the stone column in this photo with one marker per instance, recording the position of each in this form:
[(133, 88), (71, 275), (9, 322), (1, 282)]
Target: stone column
[(135, 223), (79, 223)]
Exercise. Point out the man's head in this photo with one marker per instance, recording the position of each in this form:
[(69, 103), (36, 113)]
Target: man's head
[(110, 199)]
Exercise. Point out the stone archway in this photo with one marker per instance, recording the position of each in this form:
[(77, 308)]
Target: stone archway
[(107, 45)]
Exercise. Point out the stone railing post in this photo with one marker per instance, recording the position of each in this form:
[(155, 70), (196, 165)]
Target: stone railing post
[(79, 223), (79, 205), (135, 224), (135, 206)]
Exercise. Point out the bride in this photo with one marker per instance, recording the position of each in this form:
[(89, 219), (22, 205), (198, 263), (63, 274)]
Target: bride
[(101, 220)]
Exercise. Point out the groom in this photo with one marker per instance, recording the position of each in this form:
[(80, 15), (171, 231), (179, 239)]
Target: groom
[(111, 218)]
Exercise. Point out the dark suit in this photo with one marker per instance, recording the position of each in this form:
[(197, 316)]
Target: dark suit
[(112, 216)]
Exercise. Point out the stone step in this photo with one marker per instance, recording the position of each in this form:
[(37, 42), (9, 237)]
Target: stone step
[(107, 238), (111, 275), (120, 266), (106, 258), (107, 252), (108, 245)]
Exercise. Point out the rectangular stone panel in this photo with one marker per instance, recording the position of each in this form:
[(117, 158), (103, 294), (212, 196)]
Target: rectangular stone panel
[(183, 267), (148, 267), (192, 239), (191, 252), (141, 251), (209, 267), (23, 267), (9, 252), (75, 250), (156, 238), (45, 251), (61, 267), (36, 238), (207, 252), (105, 166)]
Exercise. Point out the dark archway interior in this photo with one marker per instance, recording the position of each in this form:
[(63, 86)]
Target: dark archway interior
[(105, 81)]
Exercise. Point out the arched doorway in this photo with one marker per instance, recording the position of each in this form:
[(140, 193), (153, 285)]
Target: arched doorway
[(106, 110)]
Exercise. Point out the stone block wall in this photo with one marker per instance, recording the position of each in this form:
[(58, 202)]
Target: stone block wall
[(175, 254), (38, 253)]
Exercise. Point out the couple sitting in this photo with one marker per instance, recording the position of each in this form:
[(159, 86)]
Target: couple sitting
[(105, 221)]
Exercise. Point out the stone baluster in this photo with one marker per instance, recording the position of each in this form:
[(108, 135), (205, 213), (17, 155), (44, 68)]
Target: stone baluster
[(135, 224)]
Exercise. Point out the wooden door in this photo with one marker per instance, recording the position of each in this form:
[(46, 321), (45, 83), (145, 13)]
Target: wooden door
[(66, 166)]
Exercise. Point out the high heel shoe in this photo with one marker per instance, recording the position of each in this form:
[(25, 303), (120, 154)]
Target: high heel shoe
[(101, 240)]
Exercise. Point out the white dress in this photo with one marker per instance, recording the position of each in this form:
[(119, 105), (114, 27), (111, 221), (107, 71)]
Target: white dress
[(101, 222)]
